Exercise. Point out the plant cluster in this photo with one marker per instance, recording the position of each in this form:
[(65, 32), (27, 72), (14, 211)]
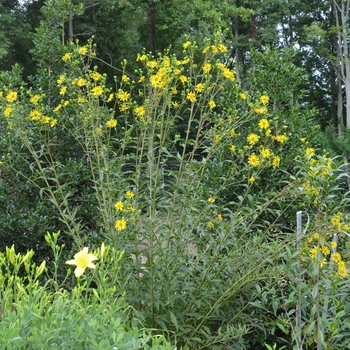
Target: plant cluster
[(193, 178)]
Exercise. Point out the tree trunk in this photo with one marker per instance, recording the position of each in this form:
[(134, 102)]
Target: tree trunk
[(152, 26), (235, 23), (70, 25)]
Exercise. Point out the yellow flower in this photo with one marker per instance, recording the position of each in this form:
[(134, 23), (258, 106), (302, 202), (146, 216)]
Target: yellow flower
[(95, 76), (186, 45), (211, 200), (333, 244), (119, 206), (219, 217), (97, 90), (66, 57), (175, 104), (211, 104), (81, 99), (281, 138), (35, 99), (191, 96), (81, 82), (8, 111), (252, 179), (131, 208), (276, 161), (11, 97), (152, 64), (232, 133), (110, 97), (53, 123), (174, 90), (82, 260), (141, 57), (129, 194), (125, 78), (111, 123), (264, 99), (210, 224), (264, 124), (342, 269), (228, 74), (325, 250), (253, 160), (199, 87), (35, 115), (310, 152), (336, 257), (63, 90), (183, 79), (243, 96), (57, 108), (265, 152), (313, 252), (220, 65), (214, 49), (123, 95), (206, 49), (232, 148), (206, 68), (61, 79), (222, 48), (45, 120), (83, 50), (253, 139), (140, 111), (261, 110), (142, 78), (120, 224), (124, 107)]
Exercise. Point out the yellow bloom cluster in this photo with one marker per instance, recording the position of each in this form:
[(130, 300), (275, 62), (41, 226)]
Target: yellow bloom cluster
[(321, 252), (125, 209)]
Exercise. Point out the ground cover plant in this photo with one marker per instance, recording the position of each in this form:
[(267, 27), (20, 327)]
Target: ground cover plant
[(184, 188)]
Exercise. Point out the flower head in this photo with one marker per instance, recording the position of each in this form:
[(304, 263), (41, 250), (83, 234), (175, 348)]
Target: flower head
[(83, 50), (130, 194), (123, 95), (211, 104), (11, 96), (95, 76), (191, 96), (66, 57), (206, 68), (111, 123), (253, 139), (120, 224), (140, 111), (276, 161), (97, 90), (119, 206), (264, 123), (264, 99), (82, 260), (253, 160)]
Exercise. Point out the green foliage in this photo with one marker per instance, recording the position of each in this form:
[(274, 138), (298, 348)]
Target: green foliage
[(193, 178), (35, 317)]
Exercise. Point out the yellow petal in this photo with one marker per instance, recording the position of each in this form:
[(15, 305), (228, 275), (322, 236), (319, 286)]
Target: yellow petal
[(78, 271)]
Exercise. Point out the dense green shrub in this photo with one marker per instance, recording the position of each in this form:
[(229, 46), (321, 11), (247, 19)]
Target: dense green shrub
[(193, 178)]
